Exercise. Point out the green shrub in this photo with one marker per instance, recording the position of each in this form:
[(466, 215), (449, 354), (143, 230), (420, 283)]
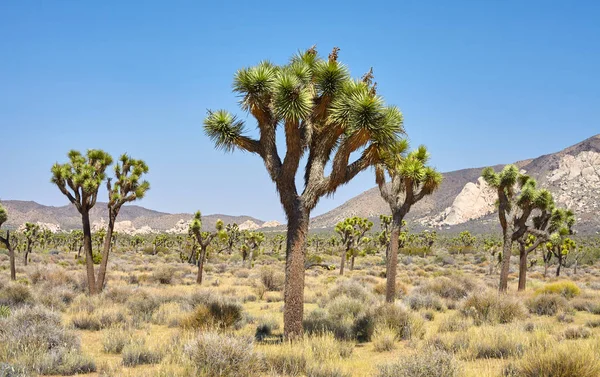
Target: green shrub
[(418, 301), (115, 339), (565, 288), (217, 313)]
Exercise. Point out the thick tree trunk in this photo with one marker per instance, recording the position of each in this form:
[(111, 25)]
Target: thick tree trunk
[(506, 253), (392, 259), (201, 265), (522, 267), (87, 247), (297, 231), (343, 260), (105, 253)]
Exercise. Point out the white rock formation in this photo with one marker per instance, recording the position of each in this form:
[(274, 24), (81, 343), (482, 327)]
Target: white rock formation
[(474, 201), (249, 225), (181, 227), (54, 228), (271, 224)]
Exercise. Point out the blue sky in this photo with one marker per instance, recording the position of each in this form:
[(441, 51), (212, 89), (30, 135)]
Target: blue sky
[(479, 82)]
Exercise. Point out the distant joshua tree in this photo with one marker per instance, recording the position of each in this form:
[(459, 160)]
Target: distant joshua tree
[(204, 239), (79, 180), (326, 117), (31, 236), (7, 243), (128, 187), (518, 198), (352, 233), (233, 236), (411, 180), (251, 241)]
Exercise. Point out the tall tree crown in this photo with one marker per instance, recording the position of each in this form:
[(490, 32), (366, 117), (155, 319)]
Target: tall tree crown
[(80, 178), (128, 186), (321, 109), (3, 215)]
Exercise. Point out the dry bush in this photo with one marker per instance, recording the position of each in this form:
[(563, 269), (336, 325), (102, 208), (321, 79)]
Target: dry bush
[(454, 323), (216, 313), (405, 324), (139, 354), (428, 363), (115, 339), (214, 354), (418, 301), (547, 304), (491, 307), (384, 339), (577, 332), (163, 275), (15, 294), (401, 289), (272, 280)]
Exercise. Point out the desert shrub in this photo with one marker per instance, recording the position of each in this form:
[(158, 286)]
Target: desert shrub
[(287, 359), (118, 295), (418, 301), (363, 327), (405, 324), (565, 288), (4, 311), (429, 363), (15, 294), (352, 289), (8, 370), (142, 305), (560, 360), (454, 323), (455, 288), (115, 339), (318, 321), (547, 304), (491, 307), (163, 275), (324, 347), (401, 289), (577, 332), (344, 307), (592, 306), (168, 313), (320, 370), (495, 343), (86, 321), (593, 323), (34, 338), (384, 339), (271, 279), (138, 354), (217, 313), (214, 354), (265, 328)]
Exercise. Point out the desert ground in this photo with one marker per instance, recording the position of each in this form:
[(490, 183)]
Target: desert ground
[(152, 319)]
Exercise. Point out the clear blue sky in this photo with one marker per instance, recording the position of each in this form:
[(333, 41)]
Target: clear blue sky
[(479, 82)]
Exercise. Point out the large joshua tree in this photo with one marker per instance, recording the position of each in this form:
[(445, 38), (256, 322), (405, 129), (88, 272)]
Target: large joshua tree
[(128, 187), (326, 116), (411, 180), (204, 240), (79, 180), (518, 198), (7, 243)]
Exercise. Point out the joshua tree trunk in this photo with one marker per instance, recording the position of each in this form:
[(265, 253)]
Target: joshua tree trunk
[(27, 251), (506, 253), (343, 260), (105, 253), (352, 263), (575, 267), (11, 255), (522, 267), (87, 247), (250, 257), (201, 265), (558, 267), (392, 259), (297, 231)]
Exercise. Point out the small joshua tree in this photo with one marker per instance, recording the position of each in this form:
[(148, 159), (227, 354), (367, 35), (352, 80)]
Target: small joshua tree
[(31, 236), (233, 236), (518, 198), (204, 239), (411, 180), (128, 187), (79, 180), (251, 241), (75, 241), (351, 231), (135, 242), (492, 245), (7, 243), (326, 117), (383, 236)]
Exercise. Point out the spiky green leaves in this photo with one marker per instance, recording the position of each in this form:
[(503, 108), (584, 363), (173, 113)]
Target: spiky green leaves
[(129, 186), (224, 129), (255, 85), (83, 175), (196, 224), (293, 100), (330, 77), (3, 215)]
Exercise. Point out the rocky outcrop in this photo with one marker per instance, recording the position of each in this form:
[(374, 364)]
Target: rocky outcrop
[(249, 225), (54, 228), (474, 201), (271, 224), (181, 227)]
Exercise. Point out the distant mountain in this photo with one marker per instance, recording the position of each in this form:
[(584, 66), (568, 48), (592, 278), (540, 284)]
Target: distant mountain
[(465, 202), (131, 217)]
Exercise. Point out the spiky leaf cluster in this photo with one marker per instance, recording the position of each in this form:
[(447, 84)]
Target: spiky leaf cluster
[(3, 215), (129, 185)]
